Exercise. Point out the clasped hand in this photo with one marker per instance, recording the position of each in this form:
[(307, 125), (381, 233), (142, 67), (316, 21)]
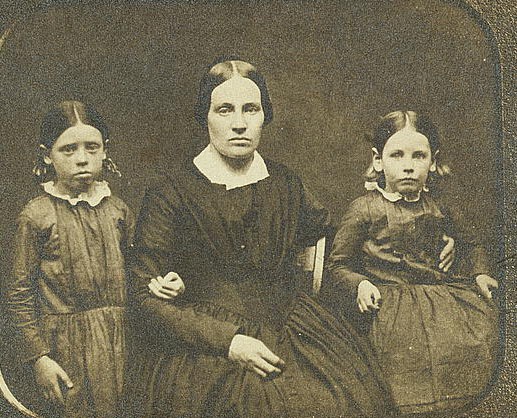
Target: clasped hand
[(167, 287), (253, 355)]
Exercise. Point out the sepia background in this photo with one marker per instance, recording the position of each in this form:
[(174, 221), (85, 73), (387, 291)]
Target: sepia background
[(333, 68)]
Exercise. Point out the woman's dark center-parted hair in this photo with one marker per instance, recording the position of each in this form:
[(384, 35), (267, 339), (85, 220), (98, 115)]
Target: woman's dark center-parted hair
[(222, 70)]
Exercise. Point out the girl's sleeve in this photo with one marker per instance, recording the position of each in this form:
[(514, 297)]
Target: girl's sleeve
[(344, 263), (154, 253), (21, 292)]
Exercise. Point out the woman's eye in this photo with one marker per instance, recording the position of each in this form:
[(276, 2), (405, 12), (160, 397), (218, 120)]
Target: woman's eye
[(419, 155), (397, 154), (224, 110)]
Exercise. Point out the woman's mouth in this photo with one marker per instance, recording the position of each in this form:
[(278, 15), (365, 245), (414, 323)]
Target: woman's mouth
[(240, 141), (83, 174)]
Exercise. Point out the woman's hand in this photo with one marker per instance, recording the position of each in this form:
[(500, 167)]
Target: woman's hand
[(485, 283), (167, 287), (368, 297), (49, 377), (252, 354), (447, 255)]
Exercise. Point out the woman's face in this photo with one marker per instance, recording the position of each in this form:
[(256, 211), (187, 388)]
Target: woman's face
[(235, 118)]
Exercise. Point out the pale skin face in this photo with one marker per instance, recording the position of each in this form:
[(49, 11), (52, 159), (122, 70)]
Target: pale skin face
[(235, 119), (77, 156), (406, 161)]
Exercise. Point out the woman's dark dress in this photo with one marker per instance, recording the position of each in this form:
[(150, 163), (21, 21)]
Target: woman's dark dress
[(234, 249), (435, 336)]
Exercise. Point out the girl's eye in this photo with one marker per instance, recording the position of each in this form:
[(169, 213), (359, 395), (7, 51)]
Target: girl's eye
[(396, 154), (68, 149), (92, 147), (419, 155), (252, 108)]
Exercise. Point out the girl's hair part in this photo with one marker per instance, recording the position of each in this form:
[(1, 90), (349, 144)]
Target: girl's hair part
[(394, 122), (65, 115), (221, 70)]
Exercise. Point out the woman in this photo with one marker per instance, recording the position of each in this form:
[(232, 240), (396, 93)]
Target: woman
[(243, 339)]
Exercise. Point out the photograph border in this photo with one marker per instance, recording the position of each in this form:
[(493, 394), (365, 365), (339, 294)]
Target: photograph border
[(498, 20)]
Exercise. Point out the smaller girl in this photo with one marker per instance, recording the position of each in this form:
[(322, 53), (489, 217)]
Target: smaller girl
[(435, 336), (67, 294)]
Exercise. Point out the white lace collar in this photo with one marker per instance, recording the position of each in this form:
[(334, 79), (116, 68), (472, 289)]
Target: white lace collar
[(391, 196), (98, 191), (213, 167)]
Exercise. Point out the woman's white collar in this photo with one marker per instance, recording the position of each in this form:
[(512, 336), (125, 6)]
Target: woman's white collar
[(214, 168), (98, 191)]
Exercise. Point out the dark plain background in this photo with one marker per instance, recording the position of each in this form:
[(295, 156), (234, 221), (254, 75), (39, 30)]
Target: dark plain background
[(332, 67)]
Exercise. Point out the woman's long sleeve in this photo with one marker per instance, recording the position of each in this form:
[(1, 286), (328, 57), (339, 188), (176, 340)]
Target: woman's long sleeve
[(314, 220), (21, 292), (344, 263), (471, 255), (156, 252)]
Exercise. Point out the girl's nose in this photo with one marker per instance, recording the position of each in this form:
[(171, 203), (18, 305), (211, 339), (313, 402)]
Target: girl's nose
[(81, 157), (408, 166)]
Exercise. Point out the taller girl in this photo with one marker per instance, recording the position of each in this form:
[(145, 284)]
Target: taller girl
[(435, 332), (67, 293)]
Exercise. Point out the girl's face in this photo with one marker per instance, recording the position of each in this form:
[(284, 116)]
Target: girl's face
[(406, 161), (77, 156), (235, 118)]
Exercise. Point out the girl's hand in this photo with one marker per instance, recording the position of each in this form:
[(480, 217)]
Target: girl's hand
[(49, 376), (252, 354), (447, 255), (167, 287), (368, 297), (485, 283)]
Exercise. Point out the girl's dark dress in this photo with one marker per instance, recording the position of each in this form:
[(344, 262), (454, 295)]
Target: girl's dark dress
[(67, 298), (435, 336), (234, 249)]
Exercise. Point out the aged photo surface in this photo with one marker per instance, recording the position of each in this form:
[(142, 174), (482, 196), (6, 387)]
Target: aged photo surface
[(333, 69)]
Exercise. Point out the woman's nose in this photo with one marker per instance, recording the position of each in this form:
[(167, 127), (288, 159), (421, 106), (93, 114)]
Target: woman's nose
[(238, 123)]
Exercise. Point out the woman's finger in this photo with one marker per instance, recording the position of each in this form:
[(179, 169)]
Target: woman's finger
[(175, 286), (168, 293), (266, 366), (272, 358), (258, 371), (156, 291)]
